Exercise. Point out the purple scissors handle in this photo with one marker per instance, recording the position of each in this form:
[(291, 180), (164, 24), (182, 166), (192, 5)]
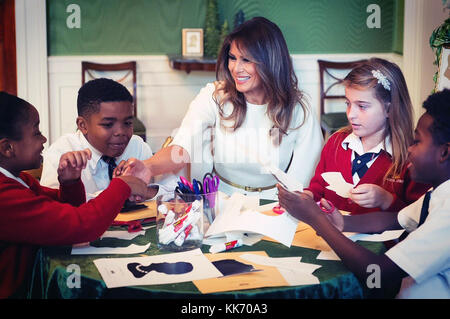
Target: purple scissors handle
[(210, 186)]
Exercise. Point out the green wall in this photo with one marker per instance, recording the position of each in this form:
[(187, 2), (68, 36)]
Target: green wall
[(145, 27)]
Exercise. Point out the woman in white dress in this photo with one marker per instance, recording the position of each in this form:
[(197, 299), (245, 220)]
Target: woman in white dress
[(253, 114)]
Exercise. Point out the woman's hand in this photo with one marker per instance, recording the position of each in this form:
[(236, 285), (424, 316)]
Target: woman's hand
[(133, 167), (71, 164), (371, 195)]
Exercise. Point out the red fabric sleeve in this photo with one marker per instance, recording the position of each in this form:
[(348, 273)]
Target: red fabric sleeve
[(36, 216)]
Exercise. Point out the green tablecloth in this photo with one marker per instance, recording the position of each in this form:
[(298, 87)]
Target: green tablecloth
[(49, 279)]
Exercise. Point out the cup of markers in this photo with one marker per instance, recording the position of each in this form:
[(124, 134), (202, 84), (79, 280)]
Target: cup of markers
[(179, 222), (206, 190)]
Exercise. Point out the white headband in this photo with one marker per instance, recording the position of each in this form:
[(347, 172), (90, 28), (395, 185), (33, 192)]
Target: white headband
[(382, 79)]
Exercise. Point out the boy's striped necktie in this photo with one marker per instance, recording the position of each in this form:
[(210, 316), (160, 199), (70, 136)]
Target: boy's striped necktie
[(111, 161), (359, 164), (423, 214)]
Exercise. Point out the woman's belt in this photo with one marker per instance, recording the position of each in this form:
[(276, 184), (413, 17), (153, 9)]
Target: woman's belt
[(246, 188)]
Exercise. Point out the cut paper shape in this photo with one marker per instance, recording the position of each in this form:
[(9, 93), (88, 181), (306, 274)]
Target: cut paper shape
[(139, 270), (292, 269), (115, 272), (230, 267), (267, 277), (147, 212), (280, 227), (337, 183), (384, 236), (90, 250)]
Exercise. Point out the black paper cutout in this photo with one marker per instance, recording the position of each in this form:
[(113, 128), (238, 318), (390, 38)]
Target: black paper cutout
[(231, 267), (178, 268)]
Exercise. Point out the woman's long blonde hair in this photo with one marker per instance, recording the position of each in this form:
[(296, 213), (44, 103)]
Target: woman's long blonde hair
[(264, 42), (399, 124)]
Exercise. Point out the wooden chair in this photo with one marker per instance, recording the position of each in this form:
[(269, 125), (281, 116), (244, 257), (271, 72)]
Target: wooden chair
[(331, 75), (123, 73)]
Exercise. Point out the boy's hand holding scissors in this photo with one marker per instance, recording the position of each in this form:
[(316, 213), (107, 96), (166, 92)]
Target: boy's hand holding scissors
[(304, 208), (71, 164)]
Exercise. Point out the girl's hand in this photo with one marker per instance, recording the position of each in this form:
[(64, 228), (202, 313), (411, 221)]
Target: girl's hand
[(71, 164), (299, 205), (133, 167), (370, 195)]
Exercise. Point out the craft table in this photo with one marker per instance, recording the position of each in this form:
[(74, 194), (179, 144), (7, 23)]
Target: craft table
[(51, 272)]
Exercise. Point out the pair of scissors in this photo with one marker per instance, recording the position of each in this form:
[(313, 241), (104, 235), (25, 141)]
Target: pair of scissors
[(186, 182), (210, 187), (197, 186), (279, 210), (327, 211)]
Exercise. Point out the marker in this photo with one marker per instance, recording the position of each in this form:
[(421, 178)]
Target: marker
[(226, 246)]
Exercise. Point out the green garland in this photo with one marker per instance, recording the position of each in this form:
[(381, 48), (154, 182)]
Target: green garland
[(439, 37)]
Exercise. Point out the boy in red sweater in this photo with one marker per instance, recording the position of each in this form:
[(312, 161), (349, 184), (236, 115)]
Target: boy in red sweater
[(33, 215)]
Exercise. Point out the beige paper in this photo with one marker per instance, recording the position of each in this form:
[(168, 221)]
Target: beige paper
[(143, 213), (305, 236), (268, 277)]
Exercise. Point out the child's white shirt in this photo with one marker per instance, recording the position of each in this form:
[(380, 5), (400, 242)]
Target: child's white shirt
[(425, 253)]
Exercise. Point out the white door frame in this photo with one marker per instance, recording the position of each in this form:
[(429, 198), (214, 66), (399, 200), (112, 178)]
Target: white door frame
[(31, 52)]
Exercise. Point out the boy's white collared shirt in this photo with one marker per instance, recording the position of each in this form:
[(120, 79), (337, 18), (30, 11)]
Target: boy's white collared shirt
[(354, 143), (425, 254), (8, 174)]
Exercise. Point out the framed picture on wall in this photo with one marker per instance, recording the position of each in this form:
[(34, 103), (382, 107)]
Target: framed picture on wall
[(192, 42), (443, 79)]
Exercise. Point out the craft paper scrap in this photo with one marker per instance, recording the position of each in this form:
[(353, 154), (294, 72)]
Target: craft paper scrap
[(266, 277), (90, 250), (248, 239), (290, 183), (148, 212), (281, 227), (292, 269), (327, 255), (155, 270), (384, 236), (121, 234), (337, 183)]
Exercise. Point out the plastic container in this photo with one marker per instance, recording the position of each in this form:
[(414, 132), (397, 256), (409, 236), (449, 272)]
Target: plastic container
[(179, 222)]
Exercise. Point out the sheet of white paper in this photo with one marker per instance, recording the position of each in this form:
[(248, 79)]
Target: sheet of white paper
[(285, 179), (249, 239), (291, 268), (337, 183), (327, 255), (90, 250), (121, 234), (119, 272), (384, 236), (281, 228)]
